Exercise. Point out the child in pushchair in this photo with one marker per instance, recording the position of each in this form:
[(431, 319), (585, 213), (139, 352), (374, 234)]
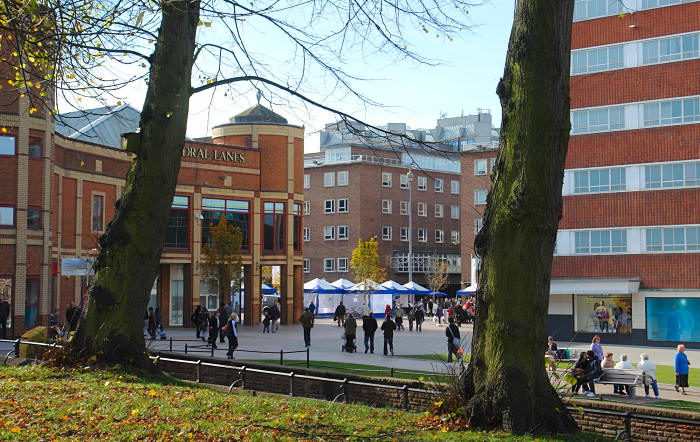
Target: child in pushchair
[(349, 345)]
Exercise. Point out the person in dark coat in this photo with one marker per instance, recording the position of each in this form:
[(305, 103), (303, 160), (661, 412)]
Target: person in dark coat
[(307, 322), (340, 314), (369, 325), (388, 327), (4, 314), (151, 323), (204, 324), (275, 315), (72, 316), (420, 317), (214, 326), (226, 311), (195, 319), (453, 338), (232, 335)]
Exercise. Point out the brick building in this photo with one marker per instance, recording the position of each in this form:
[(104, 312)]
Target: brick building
[(61, 181), (627, 258), (358, 187)]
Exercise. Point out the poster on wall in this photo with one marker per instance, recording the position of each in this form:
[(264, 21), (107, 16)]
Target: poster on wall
[(673, 319), (6, 292), (603, 314)]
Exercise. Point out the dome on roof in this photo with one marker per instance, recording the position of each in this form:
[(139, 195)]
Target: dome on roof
[(258, 114)]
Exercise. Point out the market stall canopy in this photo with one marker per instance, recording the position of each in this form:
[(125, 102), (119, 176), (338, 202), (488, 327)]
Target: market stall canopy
[(267, 290), (395, 288), (343, 284), (437, 294), (369, 286), (416, 289), (468, 290), (318, 285)]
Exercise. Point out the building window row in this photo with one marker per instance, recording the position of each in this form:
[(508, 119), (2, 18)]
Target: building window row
[(329, 206), (439, 183), (237, 214), (589, 9), (421, 234), (637, 53), (600, 180), (672, 175), (329, 265), (682, 110), (628, 240), (421, 209), (329, 232), (329, 179)]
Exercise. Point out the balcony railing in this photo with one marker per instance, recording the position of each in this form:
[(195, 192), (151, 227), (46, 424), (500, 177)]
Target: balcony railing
[(369, 159)]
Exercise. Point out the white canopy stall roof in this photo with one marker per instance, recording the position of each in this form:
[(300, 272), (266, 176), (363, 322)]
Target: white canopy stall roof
[(594, 286)]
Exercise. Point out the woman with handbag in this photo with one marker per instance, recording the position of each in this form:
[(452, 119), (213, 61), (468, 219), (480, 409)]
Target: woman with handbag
[(453, 340)]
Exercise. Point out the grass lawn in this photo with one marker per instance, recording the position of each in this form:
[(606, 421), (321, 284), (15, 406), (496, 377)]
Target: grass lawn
[(434, 357), (691, 406), (356, 369), (84, 404)]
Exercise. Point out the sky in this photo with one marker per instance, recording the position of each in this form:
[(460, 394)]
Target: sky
[(464, 80)]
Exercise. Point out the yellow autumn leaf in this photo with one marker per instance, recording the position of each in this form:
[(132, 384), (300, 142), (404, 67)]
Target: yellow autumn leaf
[(135, 412), (16, 429), (152, 393)]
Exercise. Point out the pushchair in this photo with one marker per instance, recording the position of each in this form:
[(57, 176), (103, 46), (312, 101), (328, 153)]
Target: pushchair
[(349, 345)]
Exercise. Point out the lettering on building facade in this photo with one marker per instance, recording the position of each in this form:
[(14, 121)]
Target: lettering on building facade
[(204, 154)]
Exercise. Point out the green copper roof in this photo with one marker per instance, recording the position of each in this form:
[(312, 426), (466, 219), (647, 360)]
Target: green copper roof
[(258, 114)]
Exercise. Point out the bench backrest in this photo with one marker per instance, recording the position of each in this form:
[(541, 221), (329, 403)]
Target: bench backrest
[(627, 377)]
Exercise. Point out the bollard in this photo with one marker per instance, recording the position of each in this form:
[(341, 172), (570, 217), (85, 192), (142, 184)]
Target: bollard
[(17, 348), (345, 390), (291, 383), (185, 347), (171, 344), (281, 357), (243, 377), (198, 368), (212, 350), (307, 357), (405, 397), (391, 372)]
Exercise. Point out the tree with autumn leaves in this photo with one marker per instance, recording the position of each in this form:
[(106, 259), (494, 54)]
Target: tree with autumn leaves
[(365, 266), (221, 258)]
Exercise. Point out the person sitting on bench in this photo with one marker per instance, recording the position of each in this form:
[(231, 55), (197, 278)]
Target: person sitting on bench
[(623, 365)]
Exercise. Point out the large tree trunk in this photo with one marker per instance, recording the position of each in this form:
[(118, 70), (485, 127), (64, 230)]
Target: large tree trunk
[(506, 384), (111, 328)]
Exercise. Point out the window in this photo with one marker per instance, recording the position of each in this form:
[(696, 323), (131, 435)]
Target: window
[(98, 212), (342, 265), (34, 150), (454, 212), (601, 241), (329, 179), (403, 233), (31, 303), (403, 207), (478, 224), (328, 264), (33, 218), (600, 180), (273, 230), (7, 216), (328, 233), (597, 120), (386, 207), (386, 179), (307, 265), (329, 206), (296, 219), (307, 181), (438, 185), (403, 181), (422, 235), (454, 237), (669, 112), (673, 239), (386, 233), (454, 187), (237, 214), (670, 49), (422, 183), (342, 205), (342, 178), (480, 196), (177, 233), (672, 175), (493, 164), (439, 236), (421, 209), (307, 233), (585, 9), (480, 167), (343, 232), (438, 210), (597, 59), (7, 145)]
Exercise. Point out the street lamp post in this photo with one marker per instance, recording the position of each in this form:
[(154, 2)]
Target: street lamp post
[(409, 177)]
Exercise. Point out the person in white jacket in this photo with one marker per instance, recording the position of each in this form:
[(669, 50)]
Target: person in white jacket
[(650, 369), (624, 365)]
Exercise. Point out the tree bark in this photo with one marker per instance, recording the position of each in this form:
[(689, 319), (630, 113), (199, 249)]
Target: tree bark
[(111, 328), (506, 385)]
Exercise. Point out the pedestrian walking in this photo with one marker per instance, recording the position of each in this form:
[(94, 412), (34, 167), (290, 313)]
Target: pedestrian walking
[(214, 326), (312, 308), (681, 364), (411, 318), (388, 327), (231, 331), (453, 340), (266, 320), (307, 322), (398, 314), (226, 311), (4, 315), (275, 315), (369, 326), (350, 332), (204, 324), (420, 317), (340, 314), (650, 369), (195, 319), (597, 348), (151, 316)]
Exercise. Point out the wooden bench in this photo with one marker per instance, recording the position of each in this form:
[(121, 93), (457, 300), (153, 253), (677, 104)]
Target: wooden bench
[(629, 378)]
